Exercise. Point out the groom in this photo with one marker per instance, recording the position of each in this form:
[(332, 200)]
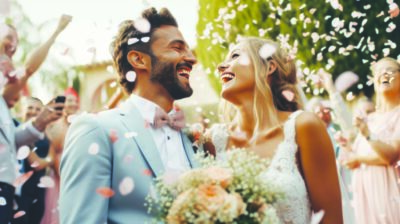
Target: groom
[(110, 159)]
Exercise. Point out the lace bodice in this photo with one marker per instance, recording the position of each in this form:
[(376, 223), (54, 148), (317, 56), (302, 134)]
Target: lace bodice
[(295, 207)]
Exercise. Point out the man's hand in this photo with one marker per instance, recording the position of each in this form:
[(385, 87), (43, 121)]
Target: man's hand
[(352, 163), (362, 126), (326, 80), (48, 115)]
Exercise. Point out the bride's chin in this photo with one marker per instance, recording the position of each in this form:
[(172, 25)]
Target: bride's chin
[(228, 94)]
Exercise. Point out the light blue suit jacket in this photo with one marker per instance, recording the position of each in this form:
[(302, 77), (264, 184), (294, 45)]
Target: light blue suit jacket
[(134, 157)]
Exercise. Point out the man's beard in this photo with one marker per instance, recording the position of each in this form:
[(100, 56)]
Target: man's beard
[(166, 74)]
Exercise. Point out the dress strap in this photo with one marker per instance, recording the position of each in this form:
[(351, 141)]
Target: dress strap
[(290, 127)]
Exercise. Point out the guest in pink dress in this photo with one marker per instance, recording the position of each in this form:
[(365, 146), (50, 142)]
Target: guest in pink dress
[(376, 149)]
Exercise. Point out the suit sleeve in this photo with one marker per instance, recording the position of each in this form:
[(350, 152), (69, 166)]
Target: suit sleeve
[(86, 166), (26, 134)]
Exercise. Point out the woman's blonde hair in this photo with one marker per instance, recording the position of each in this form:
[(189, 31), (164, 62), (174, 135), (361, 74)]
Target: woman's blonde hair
[(374, 73), (268, 91)]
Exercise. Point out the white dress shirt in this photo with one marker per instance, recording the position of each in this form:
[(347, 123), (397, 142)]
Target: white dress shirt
[(168, 140)]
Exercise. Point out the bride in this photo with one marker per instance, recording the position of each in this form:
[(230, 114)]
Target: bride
[(259, 84)]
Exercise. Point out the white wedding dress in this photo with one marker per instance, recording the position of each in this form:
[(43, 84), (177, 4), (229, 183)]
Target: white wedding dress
[(295, 207)]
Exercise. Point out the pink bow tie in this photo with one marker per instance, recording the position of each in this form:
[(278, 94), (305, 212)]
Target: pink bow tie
[(175, 120)]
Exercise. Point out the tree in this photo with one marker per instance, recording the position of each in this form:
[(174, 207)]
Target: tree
[(349, 35)]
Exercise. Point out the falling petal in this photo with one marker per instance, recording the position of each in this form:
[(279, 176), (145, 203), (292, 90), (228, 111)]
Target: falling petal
[(145, 39), (331, 48), (289, 95), (3, 201), (147, 172), (132, 40), (131, 76), (267, 50), (23, 152), (113, 135), (142, 25), (316, 218), (130, 134), (126, 186), (46, 182), (105, 192), (19, 214), (93, 148)]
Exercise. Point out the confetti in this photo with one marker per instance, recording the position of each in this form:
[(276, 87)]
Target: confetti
[(23, 152), (19, 214), (147, 172), (289, 95), (3, 201), (113, 135), (93, 149), (346, 80), (46, 182), (126, 186), (142, 25), (105, 192), (131, 76), (266, 51), (316, 218)]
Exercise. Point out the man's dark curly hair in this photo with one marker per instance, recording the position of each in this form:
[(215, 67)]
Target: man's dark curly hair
[(120, 48)]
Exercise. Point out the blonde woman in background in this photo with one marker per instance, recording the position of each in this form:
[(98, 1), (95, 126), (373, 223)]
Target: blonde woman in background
[(376, 150)]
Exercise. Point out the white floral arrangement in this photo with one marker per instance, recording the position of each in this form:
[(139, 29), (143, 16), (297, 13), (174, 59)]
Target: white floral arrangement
[(229, 191)]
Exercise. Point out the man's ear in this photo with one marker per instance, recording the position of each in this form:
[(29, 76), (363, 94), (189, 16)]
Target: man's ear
[(272, 67), (138, 60)]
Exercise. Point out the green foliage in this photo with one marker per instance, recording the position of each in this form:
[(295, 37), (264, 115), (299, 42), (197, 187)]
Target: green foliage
[(221, 22)]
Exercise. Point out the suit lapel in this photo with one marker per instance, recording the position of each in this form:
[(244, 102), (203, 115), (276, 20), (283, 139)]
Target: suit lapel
[(133, 121), (189, 151)]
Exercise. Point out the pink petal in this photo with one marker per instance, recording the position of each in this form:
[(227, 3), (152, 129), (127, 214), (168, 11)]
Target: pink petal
[(19, 214), (113, 135), (105, 192), (289, 95), (147, 172)]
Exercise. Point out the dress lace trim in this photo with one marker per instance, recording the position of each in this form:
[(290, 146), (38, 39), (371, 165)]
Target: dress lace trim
[(295, 207)]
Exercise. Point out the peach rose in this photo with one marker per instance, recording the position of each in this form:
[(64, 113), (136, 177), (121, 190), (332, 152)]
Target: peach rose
[(223, 176), (181, 203), (232, 208)]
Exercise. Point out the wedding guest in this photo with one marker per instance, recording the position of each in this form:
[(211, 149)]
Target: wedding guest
[(376, 150)]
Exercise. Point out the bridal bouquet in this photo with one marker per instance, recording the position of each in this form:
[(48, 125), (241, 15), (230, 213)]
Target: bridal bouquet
[(229, 191)]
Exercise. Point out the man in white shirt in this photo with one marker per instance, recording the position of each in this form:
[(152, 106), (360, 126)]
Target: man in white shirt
[(110, 159)]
